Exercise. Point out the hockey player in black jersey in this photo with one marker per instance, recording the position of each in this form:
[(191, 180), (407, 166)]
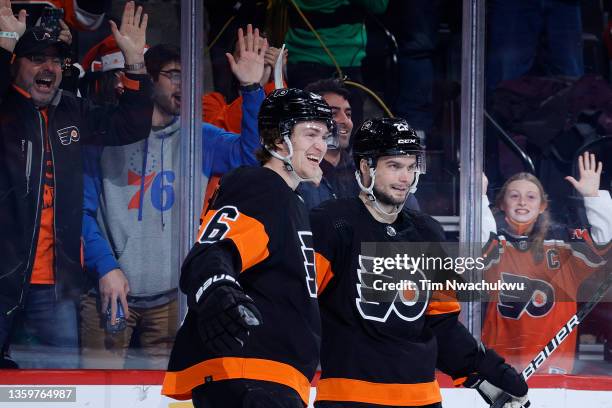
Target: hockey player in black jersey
[(384, 352), (251, 336)]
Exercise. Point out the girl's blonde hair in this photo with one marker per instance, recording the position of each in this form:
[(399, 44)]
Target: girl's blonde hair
[(543, 222)]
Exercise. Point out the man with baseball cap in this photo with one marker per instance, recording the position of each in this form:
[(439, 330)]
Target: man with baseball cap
[(38, 62), (42, 130)]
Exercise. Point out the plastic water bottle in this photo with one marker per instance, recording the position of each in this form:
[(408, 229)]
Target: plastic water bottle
[(120, 322)]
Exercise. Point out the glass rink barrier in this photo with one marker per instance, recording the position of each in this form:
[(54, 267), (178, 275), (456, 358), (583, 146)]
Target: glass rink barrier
[(331, 202)]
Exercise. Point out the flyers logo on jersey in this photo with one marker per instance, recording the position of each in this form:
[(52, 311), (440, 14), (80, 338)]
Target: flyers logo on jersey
[(68, 135), (537, 299), (309, 261), (377, 305), (401, 127)]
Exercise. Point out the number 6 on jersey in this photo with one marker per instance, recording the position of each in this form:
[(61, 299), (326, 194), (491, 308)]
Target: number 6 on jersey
[(218, 226)]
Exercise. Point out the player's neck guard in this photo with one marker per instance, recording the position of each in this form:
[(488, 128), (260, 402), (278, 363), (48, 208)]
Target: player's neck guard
[(372, 197), (521, 228)]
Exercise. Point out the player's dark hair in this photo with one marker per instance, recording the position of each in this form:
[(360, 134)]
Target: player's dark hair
[(262, 154), (158, 56), (328, 85), (542, 223)]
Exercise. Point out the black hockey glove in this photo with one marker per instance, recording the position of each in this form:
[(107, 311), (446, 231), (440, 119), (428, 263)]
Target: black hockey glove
[(225, 314), (495, 378)]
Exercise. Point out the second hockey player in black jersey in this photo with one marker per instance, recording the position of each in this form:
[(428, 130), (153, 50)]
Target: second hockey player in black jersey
[(384, 353), (252, 333)]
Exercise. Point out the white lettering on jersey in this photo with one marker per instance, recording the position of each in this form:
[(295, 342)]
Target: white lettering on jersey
[(218, 226), (309, 262), (378, 305)]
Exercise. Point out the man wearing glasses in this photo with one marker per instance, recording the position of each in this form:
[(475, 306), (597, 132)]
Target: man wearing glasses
[(130, 214), (42, 130)]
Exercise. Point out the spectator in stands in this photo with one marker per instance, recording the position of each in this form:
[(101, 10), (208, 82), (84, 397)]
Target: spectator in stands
[(338, 167), (130, 213), (225, 17), (228, 116), (339, 24), (103, 79), (217, 111), (42, 129), (550, 260), (514, 38), (338, 179)]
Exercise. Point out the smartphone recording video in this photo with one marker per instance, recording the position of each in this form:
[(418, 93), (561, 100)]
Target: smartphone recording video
[(50, 20)]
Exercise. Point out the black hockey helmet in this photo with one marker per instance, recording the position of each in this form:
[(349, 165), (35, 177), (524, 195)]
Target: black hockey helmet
[(387, 137), (283, 108)]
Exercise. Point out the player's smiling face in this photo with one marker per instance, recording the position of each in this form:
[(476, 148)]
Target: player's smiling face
[(309, 147), (394, 176), (522, 201)]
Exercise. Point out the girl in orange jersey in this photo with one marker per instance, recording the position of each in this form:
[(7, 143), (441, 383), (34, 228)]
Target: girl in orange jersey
[(546, 262)]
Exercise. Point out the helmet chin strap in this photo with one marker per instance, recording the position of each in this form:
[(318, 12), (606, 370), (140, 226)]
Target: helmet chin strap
[(372, 197), (413, 186), (287, 161)]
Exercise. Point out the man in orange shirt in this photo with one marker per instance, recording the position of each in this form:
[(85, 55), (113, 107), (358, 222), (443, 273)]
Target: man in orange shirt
[(42, 129)]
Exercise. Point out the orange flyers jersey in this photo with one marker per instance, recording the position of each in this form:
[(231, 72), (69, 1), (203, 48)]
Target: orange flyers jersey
[(519, 323), (74, 16), (374, 350), (263, 223)]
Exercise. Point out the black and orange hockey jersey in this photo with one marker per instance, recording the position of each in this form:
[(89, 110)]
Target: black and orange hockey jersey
[(263, 227), (381, 352), (520, 323)]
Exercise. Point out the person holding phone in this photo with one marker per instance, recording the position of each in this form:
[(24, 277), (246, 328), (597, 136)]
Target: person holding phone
[(42, 129), (82, 15)]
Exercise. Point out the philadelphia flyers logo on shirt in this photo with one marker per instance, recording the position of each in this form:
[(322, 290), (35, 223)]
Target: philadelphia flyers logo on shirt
[(68, 135), (537, 298), (309, 261), (373, 303)]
